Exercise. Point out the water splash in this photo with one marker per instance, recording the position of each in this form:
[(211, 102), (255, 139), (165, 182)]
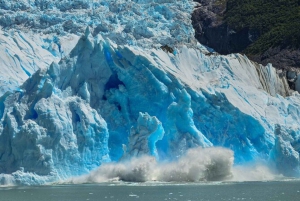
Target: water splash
[(198, 164)]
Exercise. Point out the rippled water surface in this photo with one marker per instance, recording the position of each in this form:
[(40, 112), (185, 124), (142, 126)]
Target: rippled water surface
[(256, 191)]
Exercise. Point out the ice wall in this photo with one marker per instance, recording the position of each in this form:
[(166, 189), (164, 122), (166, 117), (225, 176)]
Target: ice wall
[(49, 135), (34, 33), (37, 32), (273, 81), (22, 54), (75, 115), (119, 92)]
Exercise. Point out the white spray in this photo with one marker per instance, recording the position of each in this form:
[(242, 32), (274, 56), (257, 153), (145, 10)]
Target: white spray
[(199, 164)]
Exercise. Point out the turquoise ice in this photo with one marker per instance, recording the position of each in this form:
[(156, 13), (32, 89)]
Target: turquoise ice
[(109, 92)]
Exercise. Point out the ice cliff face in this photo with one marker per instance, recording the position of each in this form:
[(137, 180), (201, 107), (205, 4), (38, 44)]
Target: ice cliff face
[(108, 100), (37, 32), (22, 54)]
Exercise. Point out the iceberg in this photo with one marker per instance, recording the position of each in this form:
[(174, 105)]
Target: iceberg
[(119, 92)]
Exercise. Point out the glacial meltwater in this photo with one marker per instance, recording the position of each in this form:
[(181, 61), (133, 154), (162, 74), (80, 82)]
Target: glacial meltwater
[(255, 191)]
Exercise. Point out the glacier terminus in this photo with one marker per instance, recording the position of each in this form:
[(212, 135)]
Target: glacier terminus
[(92, 85)]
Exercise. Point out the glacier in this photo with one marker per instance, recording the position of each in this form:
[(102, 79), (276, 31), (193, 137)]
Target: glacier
[(36, 32), (108, 89), (22, 54)]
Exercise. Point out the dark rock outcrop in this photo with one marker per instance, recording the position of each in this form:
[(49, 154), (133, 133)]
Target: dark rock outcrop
[(212, 30), (288, 59)]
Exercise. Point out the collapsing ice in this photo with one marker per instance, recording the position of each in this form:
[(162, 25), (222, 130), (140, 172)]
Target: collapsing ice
[(198, 164), (107, 102), (67, 120)]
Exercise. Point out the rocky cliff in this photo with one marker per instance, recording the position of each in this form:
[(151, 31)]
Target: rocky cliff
[(216, 25)]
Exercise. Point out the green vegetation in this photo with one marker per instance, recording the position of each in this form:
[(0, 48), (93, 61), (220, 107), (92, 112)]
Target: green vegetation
[(277, 22)]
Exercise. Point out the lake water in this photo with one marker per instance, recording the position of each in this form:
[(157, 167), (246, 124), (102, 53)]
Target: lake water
[(255, 191)]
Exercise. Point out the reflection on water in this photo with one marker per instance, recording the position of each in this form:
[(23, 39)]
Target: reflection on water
[(256, 191)]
